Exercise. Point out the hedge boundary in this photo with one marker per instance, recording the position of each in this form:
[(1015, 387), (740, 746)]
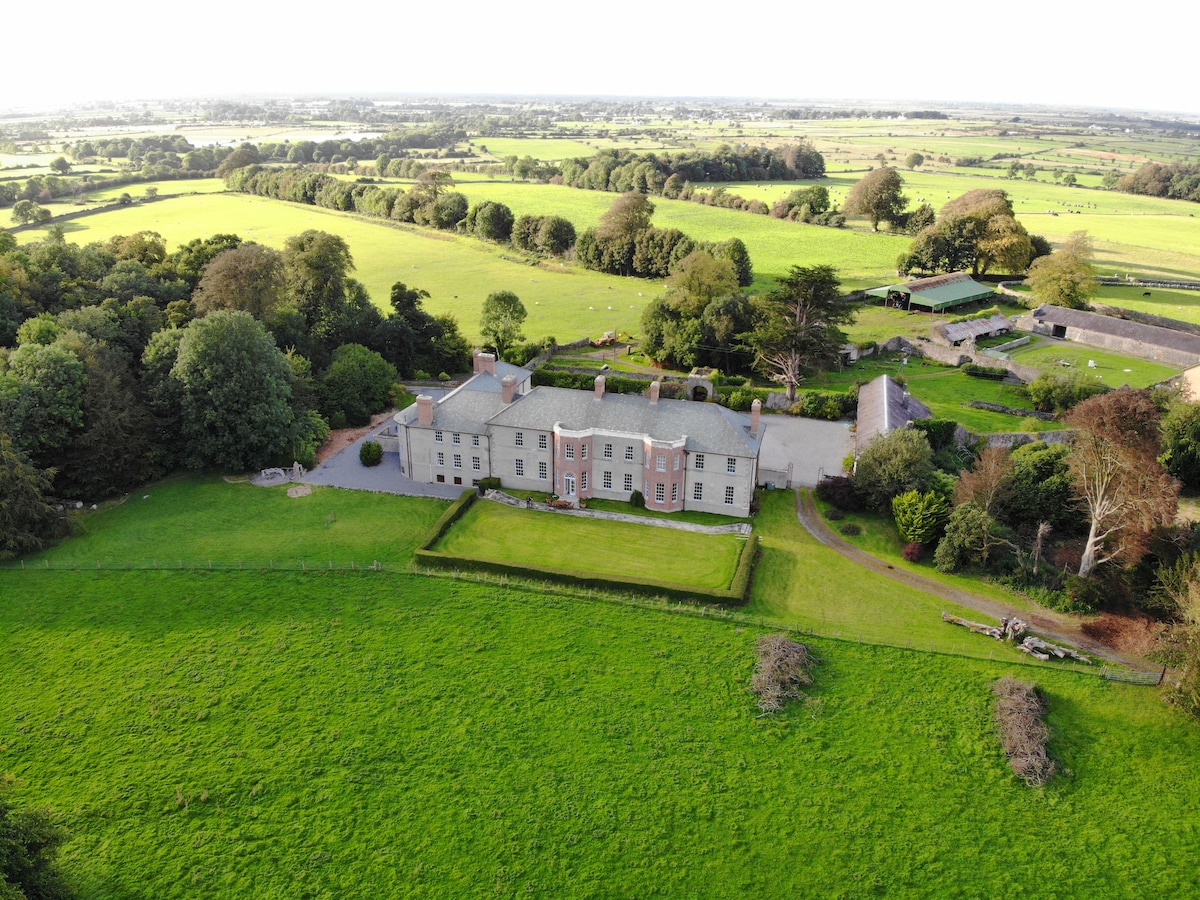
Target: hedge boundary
[(735, 595)]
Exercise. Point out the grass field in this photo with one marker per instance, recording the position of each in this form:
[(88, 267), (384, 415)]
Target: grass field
[(563, 302), (197, 520), (613, 550), (1111, 369), (281, 735)]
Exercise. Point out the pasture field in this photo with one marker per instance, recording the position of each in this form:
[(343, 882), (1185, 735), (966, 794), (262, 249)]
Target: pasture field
[(491, 531), (195, 520), (458, 272), (279, 735), (861, 258), (545, 149)]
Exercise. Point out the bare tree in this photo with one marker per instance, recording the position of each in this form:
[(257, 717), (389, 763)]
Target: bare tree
[(989, 483), (1114, 461)]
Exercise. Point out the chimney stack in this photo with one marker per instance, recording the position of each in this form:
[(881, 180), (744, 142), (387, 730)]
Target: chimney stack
[(508, 387), (654, 389), (424, 410), (755, 417), (485, 362), (599, 387)]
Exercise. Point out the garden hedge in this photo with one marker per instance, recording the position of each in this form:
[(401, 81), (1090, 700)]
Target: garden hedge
[(737, 593)]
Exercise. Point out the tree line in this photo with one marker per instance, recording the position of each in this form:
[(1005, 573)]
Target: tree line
[(120, 361)]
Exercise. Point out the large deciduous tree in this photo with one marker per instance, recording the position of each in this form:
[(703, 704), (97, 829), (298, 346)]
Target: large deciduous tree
[(796, 331), (1066, 276), (893, 464), (249, 277), (29, 842), (1115, 467), (236, 393), (501, 320), (975, 231), (878, 197)]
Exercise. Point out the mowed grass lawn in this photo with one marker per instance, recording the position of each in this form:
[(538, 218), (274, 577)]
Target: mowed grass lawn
[(280, 735), (196, 520), (616, 550)]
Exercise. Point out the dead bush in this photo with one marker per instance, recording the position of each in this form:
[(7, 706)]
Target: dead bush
[(1019, 711), (783, 669)]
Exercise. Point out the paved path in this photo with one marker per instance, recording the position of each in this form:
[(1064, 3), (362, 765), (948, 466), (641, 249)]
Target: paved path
[(510, 500), (345, 471), (1047, 624), (811, 447)]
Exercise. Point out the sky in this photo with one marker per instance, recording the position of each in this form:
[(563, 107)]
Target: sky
[(1019, 52)]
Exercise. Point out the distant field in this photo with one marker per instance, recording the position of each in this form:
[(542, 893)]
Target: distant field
[(543, 149), (862, 259), (613, 550), (1173, 304), (563, 301)]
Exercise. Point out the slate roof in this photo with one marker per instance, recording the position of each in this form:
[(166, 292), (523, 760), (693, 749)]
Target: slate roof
[(883, 406), (1154, 335), (709, 428)]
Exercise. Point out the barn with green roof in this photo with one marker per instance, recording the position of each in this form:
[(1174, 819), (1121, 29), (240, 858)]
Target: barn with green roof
[(936, 294)]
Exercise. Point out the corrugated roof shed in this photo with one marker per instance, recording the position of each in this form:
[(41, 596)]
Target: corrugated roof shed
[(972, 328), (940, 292)]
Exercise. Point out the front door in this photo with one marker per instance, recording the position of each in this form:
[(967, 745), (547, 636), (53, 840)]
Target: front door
[(569, 485)]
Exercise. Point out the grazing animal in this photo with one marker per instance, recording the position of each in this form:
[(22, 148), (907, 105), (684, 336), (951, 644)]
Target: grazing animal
[(1145, 293)]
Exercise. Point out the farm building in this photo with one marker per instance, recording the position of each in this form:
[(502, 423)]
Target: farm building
[(955, 334), (1154, 342), (883, 406), (580, 444), (936, 294)]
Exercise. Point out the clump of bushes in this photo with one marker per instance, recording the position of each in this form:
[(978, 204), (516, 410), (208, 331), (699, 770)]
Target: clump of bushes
[(784, 668), (851, 529), (488, 484), (913, 551), (636, 500), (1019, 711), (839, 491), (833, 514), (830, 407), (370, 453)]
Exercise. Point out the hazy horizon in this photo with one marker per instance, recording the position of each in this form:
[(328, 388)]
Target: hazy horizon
[(1026, 54)]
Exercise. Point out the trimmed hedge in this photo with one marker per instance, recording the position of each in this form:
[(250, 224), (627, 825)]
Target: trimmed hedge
[(582, 381), (737, 593), (448, 518), (977, 371)]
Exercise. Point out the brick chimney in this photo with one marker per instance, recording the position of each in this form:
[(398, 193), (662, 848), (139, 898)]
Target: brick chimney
[(508, 386), (485, 362), (755, 417), (599, 387), (654, 389), (424, 409)]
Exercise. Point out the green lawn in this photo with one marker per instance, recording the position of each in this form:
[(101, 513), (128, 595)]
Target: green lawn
[(285, 734), (1111, 369), (197, 520), (616, 550)]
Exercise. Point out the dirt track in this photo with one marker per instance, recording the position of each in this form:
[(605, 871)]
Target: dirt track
[(1047, 624)]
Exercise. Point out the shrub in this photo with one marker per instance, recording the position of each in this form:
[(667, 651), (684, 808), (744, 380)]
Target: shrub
[(913, 551), (488, 484), (850, 529), (839, 490), (636, 500), (784, 667), (833, 514), (370, 453), (1023, 734), (1085, 595), (919, 517), (443, 376)]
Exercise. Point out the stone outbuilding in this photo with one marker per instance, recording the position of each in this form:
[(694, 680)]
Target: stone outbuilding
[(1177, 348)]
